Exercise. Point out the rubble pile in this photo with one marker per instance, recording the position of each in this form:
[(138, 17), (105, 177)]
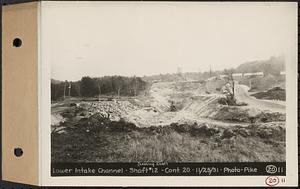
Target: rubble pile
[(56, 119), (114, 110)]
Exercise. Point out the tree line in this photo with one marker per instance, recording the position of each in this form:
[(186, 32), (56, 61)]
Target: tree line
[(91, 87)]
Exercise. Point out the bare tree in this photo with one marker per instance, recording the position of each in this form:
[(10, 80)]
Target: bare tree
[(134, 86), (119, 88), (230, 86)]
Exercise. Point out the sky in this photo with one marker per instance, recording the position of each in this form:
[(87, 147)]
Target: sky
[(146, 38)]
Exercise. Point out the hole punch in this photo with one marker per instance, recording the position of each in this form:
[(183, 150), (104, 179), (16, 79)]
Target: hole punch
[(18, 152), (17, 42)]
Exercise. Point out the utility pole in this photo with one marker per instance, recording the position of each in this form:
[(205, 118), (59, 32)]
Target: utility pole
[(65, 90), (135, 86), (210, 71), (179, 75), (179, 70)]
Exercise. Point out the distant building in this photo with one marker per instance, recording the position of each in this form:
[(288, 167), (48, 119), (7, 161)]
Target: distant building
[(237, 75), (211, 78), (282, 73), (223, 76), (156, 81), (259, 74)]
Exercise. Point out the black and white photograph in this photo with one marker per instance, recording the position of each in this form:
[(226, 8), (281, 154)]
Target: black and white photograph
[(150, 93), (168, 82)]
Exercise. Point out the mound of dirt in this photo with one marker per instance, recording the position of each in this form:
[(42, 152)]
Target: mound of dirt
[(251, 115), (233, 114), (195, 129), (275, 93), (114, 110), (96, 123), (264, 131), (56, 119)]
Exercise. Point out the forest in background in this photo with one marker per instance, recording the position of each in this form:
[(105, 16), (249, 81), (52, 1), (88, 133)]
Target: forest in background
[(90, 87)]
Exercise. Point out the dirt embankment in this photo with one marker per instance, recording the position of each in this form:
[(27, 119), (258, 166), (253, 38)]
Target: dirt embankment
[(275, 93), (98, 139)]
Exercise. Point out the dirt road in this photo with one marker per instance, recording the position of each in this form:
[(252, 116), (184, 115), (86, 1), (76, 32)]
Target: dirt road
[(242, 95)]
